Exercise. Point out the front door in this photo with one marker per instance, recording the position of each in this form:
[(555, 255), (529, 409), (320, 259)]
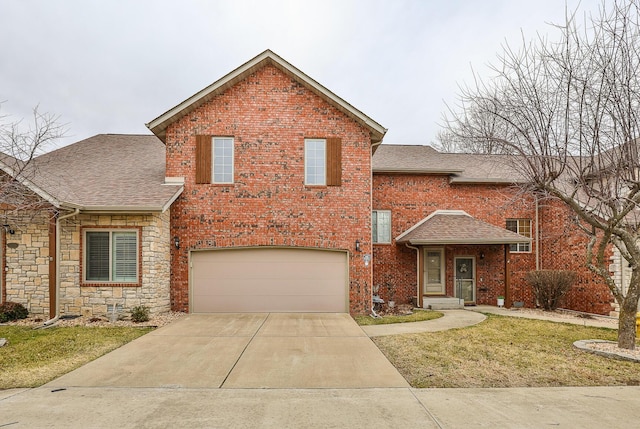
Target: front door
[(465, 279), (434, 283)]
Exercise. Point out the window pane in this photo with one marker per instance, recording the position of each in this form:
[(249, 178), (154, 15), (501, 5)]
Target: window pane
[(97, 256), (522, 227), (125, 257), (222, 160), (314, 162), (381, 220)]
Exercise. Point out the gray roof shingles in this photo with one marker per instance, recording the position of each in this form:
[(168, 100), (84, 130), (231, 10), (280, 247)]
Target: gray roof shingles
[(107, 171)]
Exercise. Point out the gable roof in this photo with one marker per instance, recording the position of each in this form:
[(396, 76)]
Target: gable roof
[(462, 167), (457, 227), (105, 173), (159, 125)]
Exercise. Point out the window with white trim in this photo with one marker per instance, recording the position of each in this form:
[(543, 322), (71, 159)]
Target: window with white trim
[(381, 226), (315, 162), (222, 165), (522, 227), (111, 256)]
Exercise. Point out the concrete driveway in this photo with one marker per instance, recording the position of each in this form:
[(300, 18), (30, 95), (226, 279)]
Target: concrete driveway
[(266, 350)]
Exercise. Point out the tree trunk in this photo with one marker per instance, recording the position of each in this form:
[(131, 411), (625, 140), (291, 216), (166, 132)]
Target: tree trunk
[(628, 310)]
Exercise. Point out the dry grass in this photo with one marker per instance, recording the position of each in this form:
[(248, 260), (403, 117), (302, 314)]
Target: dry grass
[(34, 357), (416, 316), (506, 352)]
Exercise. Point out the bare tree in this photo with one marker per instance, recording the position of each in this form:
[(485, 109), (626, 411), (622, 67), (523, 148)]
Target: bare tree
[(20, 145), (568, 111)]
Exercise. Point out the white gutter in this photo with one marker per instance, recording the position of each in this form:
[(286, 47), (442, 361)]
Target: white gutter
[(58, 219)]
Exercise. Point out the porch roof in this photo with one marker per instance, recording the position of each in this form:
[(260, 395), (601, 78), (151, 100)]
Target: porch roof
[(457, 227)]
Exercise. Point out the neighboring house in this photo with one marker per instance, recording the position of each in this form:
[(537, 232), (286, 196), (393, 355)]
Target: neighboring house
[(260, 193)]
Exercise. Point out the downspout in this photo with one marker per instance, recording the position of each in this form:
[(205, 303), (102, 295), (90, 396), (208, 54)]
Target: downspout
[(58, 219), (418, 300), (537, 238)]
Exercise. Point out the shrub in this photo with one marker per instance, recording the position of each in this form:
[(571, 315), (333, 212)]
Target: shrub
[(10, 311), (550, 286), (139, 314)]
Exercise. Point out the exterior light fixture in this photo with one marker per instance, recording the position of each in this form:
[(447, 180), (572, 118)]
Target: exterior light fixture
[(358, 246), (176, 241)]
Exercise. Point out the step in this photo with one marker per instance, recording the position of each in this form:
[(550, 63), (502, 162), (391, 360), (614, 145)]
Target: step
[(442, 303)]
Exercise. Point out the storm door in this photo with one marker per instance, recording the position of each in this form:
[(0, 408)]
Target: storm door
[(465, 279)]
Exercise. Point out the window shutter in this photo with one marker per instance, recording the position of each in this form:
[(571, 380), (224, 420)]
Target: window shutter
[(334, 161), (203, 159)]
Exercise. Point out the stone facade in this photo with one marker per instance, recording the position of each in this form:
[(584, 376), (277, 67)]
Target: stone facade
[(27, 266), (269, 114), (92, 300)]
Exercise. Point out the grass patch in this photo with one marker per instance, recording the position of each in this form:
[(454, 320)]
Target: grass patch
[(35, 357), (506, 352), (416, 316)]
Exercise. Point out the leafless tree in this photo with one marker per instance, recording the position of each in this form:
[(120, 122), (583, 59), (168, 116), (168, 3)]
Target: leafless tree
[(568, 111), (20, 145)]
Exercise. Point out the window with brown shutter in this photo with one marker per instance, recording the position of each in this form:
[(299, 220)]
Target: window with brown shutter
[(334, 161), (203, 159)]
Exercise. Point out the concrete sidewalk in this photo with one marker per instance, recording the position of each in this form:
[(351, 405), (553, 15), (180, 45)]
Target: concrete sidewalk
[(123, 408), (596, 321), (452, 319)]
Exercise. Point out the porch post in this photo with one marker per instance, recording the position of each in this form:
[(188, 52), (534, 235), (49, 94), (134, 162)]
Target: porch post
[(507, 278)]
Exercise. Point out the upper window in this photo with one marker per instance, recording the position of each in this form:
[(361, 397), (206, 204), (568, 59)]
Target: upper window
[(522, 227), (381, 221), (111, 256), (222, 164), (315, 162)]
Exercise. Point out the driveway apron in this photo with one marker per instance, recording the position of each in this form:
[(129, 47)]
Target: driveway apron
[(266, 350)]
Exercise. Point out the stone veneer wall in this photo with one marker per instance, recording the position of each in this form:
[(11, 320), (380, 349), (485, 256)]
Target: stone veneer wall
[(93, 300), (27, 273)]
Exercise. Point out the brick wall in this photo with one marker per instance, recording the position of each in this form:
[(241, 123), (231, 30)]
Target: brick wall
[(563, 246), (269, 115), (411, 198)]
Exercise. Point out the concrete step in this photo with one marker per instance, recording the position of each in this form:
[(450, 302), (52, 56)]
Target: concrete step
[(442, 303)]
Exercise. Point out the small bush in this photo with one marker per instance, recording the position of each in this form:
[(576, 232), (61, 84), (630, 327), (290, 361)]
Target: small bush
[(10, 311), (139, 314), (550, 286)]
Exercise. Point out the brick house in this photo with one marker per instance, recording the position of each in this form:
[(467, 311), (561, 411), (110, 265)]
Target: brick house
[(267, 192)]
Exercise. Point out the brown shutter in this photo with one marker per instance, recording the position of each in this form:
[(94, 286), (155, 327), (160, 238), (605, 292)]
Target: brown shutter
[(334, 161), (203, 159)]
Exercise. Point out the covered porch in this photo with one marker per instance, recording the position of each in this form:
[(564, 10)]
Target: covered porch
[(460, 260)]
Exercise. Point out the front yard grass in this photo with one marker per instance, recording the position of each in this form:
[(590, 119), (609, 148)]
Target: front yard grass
[(34, 357), (506, 352), (416, 316)]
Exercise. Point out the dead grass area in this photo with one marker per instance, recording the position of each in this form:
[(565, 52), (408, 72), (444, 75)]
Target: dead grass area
[(416, 316), (506, 352), (34, 357)]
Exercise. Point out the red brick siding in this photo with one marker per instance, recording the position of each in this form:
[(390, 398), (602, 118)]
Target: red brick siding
[(563, 246), (269, 115), (411, 198)]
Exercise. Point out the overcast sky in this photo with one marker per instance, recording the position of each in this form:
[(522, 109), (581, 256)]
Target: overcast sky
[(111, 66)]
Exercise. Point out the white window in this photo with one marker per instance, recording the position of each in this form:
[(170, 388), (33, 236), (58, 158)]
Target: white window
[(522, 227), (111, 256), (381, 223), (222, 171), (315, 162)]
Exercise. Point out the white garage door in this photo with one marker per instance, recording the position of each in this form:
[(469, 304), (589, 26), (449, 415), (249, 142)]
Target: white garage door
[(269, 280)]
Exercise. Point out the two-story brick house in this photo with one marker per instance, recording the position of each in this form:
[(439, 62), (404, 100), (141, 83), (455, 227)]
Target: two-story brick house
[(267, 192)]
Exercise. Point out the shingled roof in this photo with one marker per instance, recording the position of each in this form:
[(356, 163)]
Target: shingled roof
[(457, 227), (462, 167), (107, 172)]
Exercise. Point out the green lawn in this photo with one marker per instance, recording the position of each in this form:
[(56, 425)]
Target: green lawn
[(34, 357), (506, 352)]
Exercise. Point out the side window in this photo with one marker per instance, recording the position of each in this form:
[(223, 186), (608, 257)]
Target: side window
[(222, 160), (323, 162), (522, 227), (111, 256), (381, 225)]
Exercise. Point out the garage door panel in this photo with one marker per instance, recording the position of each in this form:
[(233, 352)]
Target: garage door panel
[(269, 280)]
